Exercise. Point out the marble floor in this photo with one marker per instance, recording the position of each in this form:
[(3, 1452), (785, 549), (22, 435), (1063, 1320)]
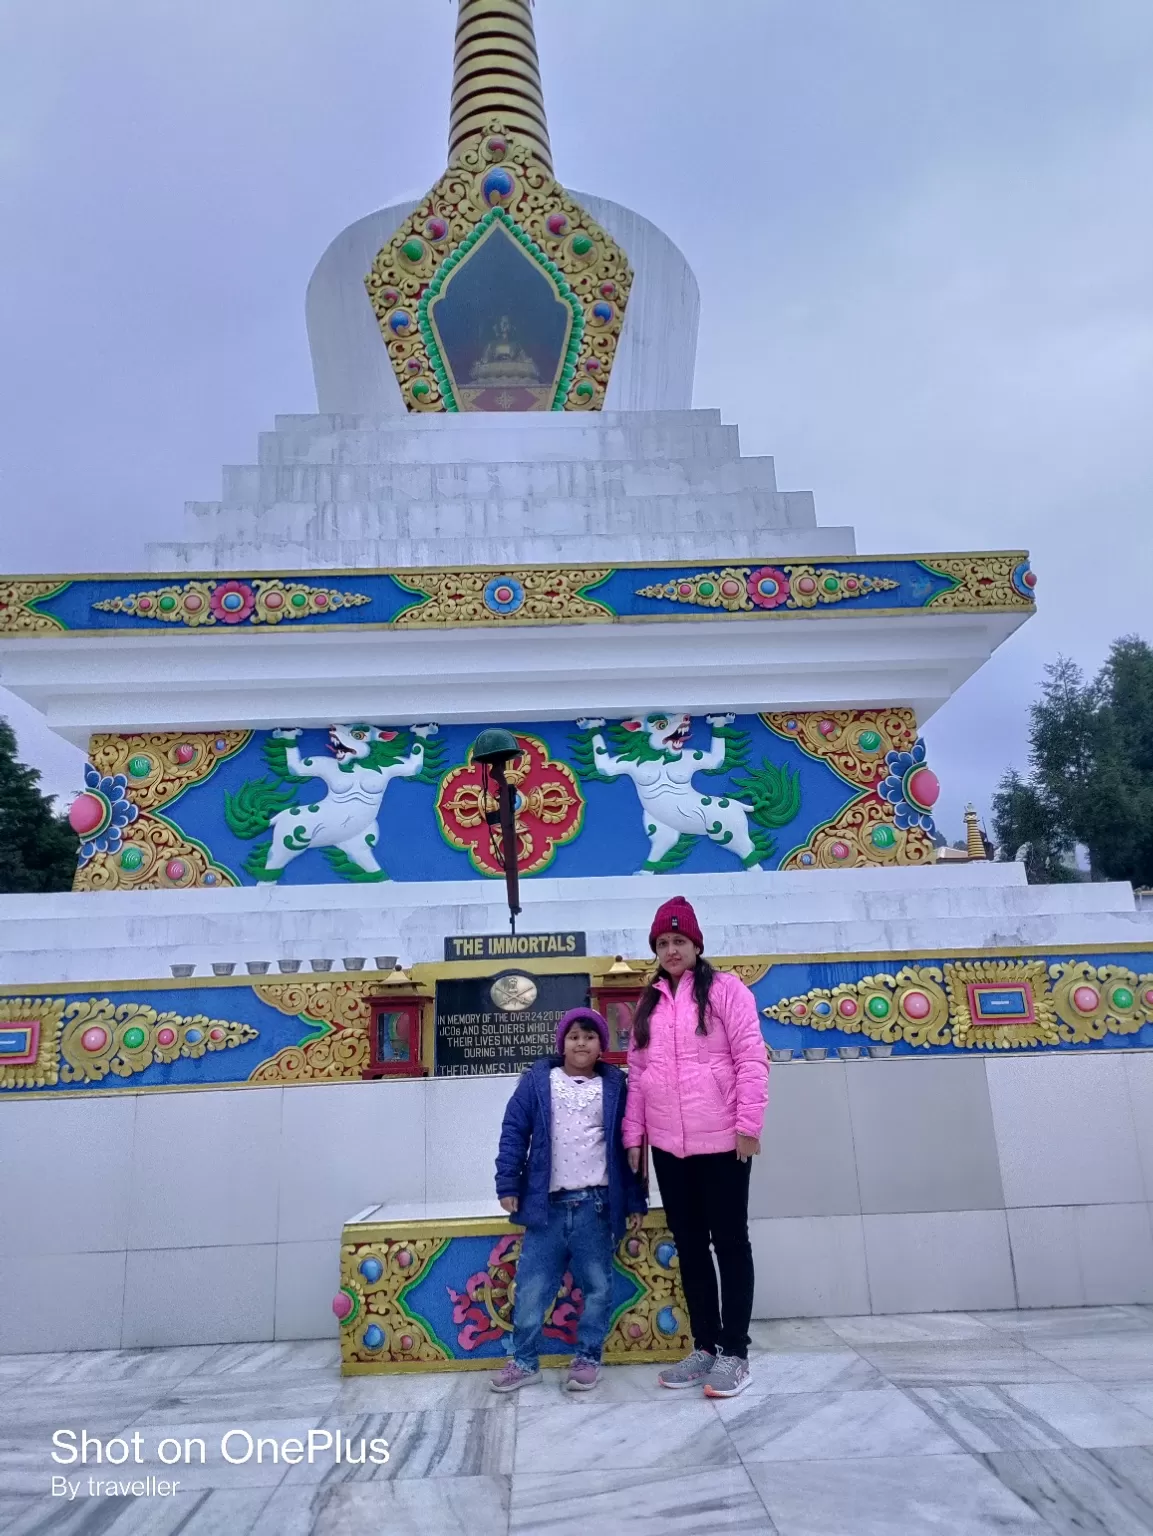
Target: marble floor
[(1015, 1423)]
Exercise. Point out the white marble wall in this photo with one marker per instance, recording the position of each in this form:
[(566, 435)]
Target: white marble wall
[(885, 1186)]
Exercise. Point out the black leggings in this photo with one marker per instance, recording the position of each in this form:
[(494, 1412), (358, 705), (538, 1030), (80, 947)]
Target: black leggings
[(706, 1200)]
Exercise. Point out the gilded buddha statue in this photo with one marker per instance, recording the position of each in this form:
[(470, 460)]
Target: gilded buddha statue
[(504, 361)]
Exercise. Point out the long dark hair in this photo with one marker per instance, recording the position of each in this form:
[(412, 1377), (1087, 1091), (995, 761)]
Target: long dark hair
[(703, 974)]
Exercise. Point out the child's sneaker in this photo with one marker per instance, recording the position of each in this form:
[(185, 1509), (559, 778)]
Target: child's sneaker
[(691, 1372), (728, 1377), (513, 1377), (583, 1375)]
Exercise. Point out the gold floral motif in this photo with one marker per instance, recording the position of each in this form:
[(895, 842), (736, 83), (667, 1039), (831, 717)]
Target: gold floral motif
[(101, 1036), (807, 586), (848, 841), (19, 617), (264, 600), (457, 597), (835, 737), (170, 769), (341, 1053), (168, 861), (48, 1013), (402, 1261), (721, 589), (983, 581), (1124, 1000), (909, 1006), (582, 260), (823, 590), (1003, 1034)]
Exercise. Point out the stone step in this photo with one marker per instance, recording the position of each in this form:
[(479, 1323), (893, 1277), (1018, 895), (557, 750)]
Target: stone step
[(301, 906), (139, 934), (150, 956), (580, 480), (272, 552), (321, 424), (630, 440), (493, 519)]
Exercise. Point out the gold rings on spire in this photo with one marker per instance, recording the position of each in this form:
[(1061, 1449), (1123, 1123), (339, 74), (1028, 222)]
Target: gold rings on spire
[(496, 74)]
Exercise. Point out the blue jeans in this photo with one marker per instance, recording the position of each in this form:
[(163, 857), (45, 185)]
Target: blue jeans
[(578, 1237)]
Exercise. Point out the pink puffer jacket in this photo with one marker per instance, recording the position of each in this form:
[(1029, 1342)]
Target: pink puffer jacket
[(691, 1093)]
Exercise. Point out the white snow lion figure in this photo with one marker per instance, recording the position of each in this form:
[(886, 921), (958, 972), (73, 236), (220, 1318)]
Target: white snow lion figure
[(365, 759), (650, 750)]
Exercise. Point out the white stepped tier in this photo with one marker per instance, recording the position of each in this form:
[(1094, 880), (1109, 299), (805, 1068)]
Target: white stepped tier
[(424, 490), (125, 935), (262, 548)]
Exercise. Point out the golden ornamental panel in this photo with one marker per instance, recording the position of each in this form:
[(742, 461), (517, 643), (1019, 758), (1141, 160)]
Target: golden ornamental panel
[(407, 1340), (865, 833), (342, 1008), (638, 1331), (984, 581), (159, 765), (532, 596), (18, 616), (205, 602), (741, 589), (973, 985), (496, 186), (910, 1005), (31, 1029), (101, 1036), (470, 1307), (749, 971), (153, 856), (853, 741), (341, 1055), (1093, 1001), (343, 1003)]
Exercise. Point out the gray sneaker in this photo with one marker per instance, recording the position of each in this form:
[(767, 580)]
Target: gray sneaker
[(728, 1377), (690, 1372)]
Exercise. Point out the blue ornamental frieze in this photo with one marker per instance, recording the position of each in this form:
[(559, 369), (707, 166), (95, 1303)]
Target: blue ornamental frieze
[(372, 801)]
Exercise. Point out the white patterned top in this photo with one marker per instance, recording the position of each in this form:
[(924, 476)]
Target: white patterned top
[(578, 1132)]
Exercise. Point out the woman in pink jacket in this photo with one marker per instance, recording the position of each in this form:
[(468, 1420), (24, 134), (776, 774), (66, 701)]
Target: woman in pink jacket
[(698, 1086)]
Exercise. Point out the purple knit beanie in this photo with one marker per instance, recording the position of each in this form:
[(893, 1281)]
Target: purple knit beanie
[(590, 1018)]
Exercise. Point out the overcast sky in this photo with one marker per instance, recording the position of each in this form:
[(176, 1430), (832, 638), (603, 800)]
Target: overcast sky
[(922, 229)]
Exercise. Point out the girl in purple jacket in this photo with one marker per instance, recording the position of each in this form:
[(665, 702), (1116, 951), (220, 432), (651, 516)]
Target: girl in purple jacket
[(698, 1086)]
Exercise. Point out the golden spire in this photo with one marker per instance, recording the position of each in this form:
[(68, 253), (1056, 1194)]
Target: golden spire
[(496, 74), (974, 842)]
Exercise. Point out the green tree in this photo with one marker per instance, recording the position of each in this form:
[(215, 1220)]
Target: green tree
[(1063, 751), (1091, 770), (1116, 818), (1022, 815), (37, 847)]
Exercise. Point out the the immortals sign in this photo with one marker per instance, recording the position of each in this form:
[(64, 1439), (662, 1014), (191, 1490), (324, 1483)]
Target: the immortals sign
[(501, 1023), (514, 946)]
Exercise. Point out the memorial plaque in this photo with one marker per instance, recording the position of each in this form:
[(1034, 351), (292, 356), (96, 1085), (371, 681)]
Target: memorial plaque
[(514, 946), (501, 1023)]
